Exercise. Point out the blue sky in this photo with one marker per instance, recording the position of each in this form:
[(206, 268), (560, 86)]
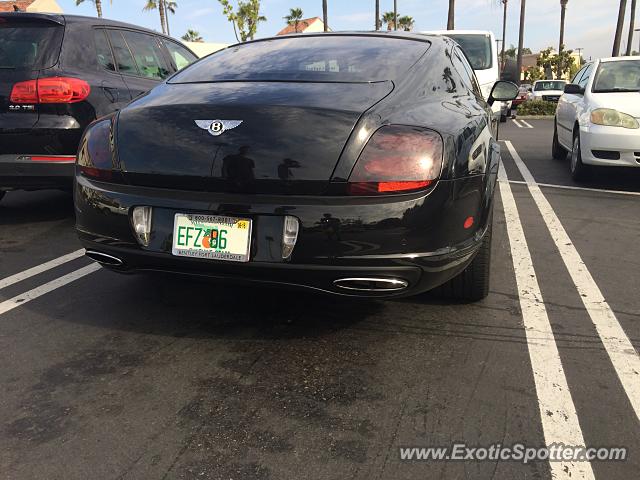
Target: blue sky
[(590, 23)]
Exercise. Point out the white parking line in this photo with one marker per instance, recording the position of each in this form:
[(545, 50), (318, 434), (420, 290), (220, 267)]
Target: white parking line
[(26, 297), (572, 187), (43, 267), (557, 412), (517, 123), (526, 124), (624, 357)]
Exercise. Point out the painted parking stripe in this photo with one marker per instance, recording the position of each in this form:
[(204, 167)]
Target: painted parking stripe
[(26, 297), (526, 124), (43, 267), (624, 357), (517, 123), (557, 411), (572, 187)]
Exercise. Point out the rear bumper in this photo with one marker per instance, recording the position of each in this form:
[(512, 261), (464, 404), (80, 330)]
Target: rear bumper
[(20, 172), (624, 141), (417, 238)]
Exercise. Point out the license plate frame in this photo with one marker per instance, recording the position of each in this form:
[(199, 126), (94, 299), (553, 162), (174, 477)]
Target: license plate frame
[(200, 223)]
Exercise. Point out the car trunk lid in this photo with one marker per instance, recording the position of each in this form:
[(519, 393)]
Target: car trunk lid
[(289, 141)]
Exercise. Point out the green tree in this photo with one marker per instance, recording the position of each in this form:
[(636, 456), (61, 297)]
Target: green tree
[(388, 18), (97, 3), (294, 19), (532, 74), (558, 65), (406, 23), (245, 20), (192, 36)]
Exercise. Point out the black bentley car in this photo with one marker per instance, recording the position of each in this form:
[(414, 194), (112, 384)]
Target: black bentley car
[(352, 163), (58, 73)]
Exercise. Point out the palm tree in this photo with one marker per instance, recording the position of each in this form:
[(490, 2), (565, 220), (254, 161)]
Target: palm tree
[(523, 6), (169, 7), (504, 33), (192, 36), (294, 18), (619, 27), (632, 24), (377, 14), (563, 11), (395, 14), (325, 19), (97, 3), (388, 18), (159, 5), (406, 23), (450, 17)]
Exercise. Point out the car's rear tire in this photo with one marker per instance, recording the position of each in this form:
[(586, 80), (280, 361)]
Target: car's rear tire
[(472, 284), (579, 171), (558, 152)]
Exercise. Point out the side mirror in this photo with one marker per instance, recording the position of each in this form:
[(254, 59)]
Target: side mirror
[(573, 88), (503, 91)]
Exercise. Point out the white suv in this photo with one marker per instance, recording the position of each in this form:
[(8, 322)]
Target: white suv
[(597, 118)]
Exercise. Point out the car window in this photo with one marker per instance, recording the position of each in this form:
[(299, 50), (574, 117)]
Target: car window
[(549, 85), (345, 58), (463, 69), (180, 55), (619, 76), (477, 47), (28, 43), (147, 54), (123, 57), (585, 76), (103, 50), (577, 76)]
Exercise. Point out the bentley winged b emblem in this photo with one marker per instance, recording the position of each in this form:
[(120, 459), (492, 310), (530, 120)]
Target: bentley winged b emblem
[(217, 127)]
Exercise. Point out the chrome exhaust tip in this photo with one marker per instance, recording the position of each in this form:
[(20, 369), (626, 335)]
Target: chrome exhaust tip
[(104, 258), (371, 284)]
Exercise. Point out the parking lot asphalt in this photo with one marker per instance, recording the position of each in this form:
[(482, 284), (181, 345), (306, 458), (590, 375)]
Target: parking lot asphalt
[(134, 377)]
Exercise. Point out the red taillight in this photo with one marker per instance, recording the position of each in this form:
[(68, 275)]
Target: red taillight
[(397, 159), (95, 155), (50, 90)]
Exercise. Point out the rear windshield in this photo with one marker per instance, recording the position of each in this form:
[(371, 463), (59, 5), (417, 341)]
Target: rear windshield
[(28, 44), (550, 85), (477, 48), (620, 76), (313, 59)]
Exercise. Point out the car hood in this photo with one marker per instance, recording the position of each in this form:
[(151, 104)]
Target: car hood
[(540, 93), (626, 102)]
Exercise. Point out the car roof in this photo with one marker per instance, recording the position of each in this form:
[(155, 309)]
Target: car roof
[(619, 59), (64, 19)]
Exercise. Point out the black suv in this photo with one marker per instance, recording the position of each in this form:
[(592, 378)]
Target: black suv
[(58, 73)]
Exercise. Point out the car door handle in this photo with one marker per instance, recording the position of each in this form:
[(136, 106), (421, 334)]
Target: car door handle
[(112, 93)]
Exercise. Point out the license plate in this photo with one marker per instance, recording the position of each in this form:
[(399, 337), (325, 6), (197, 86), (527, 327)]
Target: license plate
[(211, 236)]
